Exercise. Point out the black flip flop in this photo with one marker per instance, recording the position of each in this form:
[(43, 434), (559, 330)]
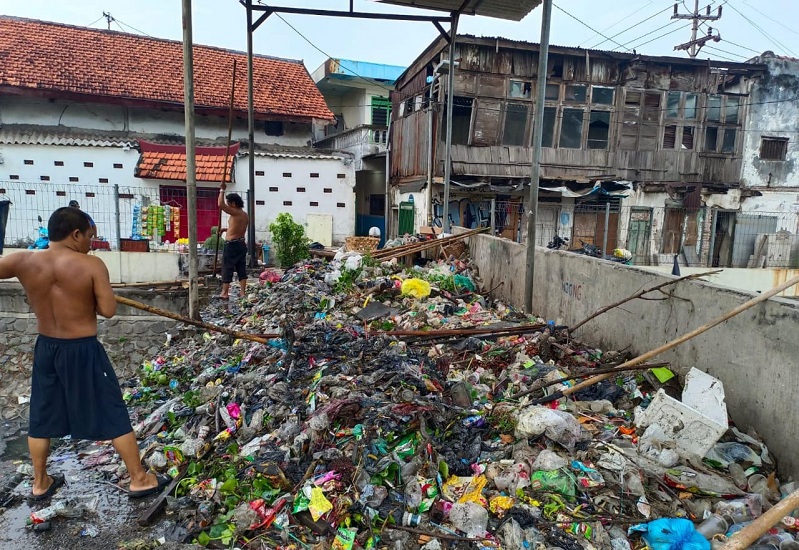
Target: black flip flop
[(58, 481), (163, 481)]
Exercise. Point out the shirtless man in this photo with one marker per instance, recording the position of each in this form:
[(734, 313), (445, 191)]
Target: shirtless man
[(74, 390), (234, 257)]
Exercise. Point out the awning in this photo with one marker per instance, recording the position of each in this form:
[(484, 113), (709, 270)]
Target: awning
[(514, 10), (168, 162)]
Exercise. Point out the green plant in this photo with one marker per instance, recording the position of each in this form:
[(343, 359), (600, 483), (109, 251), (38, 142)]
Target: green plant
[(210, 242), (288, 237)]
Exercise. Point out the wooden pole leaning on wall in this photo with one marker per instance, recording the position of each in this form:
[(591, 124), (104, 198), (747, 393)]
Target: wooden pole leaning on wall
[(225, 167), (261, 339), (674, 343)]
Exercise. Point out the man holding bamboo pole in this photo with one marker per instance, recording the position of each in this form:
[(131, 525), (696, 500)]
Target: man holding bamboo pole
[(234, 256), (74, 390)]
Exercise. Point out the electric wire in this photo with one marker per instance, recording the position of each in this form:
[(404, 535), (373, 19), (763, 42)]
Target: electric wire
[(320, 50), (95, 21), (774, 41), (649, 33), (593, 36), (661, 36), (587, 25), (642, 21), (794, 31)]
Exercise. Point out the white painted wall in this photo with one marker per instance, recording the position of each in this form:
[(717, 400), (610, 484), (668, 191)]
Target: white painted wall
[(752, 280), (329, 170)]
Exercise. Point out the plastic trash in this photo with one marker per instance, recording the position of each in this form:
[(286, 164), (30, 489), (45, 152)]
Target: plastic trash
[(559, 426), (733, 453), (470, 518), (671, 534), (418, 288), (548, 460), (714, 525), (557, 481)]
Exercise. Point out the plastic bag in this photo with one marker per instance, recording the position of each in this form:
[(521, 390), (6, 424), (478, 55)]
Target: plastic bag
[(470, 518), (727, 453), (559, 426), (548, 460), (353, 262), (671, 534), (417, 288), (556, 481)]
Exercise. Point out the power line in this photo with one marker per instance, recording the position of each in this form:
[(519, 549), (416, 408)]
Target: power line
[(133, 28), (317, 48), (662, 35), (614, 24), (633, 26), (714, 48), (740, 46), (587, 25), (724, 57), (772, 19), (637, 38), (95, 21), (764, 33)]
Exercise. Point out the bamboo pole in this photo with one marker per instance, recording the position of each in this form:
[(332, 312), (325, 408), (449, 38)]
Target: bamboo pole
[(411, 248), (262, 339), (749, 534), (639, 294), (674, 343), (225, 167), (463, 331)]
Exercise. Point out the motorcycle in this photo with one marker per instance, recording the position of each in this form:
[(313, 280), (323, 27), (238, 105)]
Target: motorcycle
[(43, 241), (619, 255)]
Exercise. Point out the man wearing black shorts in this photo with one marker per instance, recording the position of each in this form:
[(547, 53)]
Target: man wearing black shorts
[(234, 256), (74, 390)]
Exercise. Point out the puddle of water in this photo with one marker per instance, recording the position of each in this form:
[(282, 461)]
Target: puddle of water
[(16, 448)]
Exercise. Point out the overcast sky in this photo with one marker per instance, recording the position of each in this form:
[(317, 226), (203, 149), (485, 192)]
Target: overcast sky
[(746, 27)]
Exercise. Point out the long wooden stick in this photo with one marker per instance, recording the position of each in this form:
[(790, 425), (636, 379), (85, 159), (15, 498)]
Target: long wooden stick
[(638, 294), (674, 343), (412, 248), (262, 339), (749, 534), (224, 168)]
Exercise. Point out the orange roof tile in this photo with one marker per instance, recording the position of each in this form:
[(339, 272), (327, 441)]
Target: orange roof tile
[(113, 66), (168, 162)]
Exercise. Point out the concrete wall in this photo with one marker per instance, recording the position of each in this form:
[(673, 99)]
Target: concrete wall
[(135, 267), (129, 337), (755, 354), (750, 280)]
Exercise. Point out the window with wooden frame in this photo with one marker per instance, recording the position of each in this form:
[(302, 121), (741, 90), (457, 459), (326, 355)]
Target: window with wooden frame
[(381, 110), (640, 127), (520, 89), (516, 115), (773, 148), (679, 114), (722, 123), (461, 120)]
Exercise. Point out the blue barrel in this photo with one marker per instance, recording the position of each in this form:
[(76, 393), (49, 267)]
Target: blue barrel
[(266, 254)]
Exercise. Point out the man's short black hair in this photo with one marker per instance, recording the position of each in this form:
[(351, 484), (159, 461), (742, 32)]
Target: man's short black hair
[(66, 220), (235, 198)]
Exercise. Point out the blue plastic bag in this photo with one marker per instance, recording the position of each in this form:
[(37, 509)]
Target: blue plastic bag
[(671, 534)]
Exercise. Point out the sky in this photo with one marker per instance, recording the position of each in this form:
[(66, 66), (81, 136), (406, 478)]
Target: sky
[(747, 27)]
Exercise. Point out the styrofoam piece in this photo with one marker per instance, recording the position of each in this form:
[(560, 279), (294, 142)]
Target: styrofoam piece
[(695, 424)]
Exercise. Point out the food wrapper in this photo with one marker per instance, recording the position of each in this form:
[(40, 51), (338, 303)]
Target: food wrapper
[(465, 489), (499, 505), (345, 539), (417, 288), (319, 505)]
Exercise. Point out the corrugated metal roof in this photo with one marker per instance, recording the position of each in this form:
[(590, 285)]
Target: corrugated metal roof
[(285, 151), (25, 134), (514, 10)]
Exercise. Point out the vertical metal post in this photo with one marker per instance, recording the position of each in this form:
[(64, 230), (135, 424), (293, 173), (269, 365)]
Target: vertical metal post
[(450, 102), (251, 139), (607, 224), (538, 133), (430, 161), (387, 201), (493, 216), (116, 213), (191, 169)]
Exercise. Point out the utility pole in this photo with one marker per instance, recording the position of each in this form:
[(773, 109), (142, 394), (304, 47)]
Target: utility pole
[(191, 168), (535, 171), (696, 44)]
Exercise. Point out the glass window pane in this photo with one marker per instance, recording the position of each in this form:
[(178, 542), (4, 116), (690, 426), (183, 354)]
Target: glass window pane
[(731, 111), (549, 126), (576, 93), (673, 105), (571, 129), (601, 95), (515, 124), (520, 89), (552, 91), (711, 137), (728, 144), (598, 130), (690, 106), (714, 108)]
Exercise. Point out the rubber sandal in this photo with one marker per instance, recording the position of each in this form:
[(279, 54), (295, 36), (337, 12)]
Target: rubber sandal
[(58, 482), (163, 481)]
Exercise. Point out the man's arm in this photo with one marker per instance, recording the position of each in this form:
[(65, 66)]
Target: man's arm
[(9, 265), (103, 293), (220, 201)]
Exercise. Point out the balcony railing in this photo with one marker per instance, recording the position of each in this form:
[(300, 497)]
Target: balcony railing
[(365, 136)]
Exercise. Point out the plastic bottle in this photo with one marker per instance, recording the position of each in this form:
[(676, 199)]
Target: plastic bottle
[(714, 525), (738, 475)]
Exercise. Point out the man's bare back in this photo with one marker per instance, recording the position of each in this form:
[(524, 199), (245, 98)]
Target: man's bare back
[(66, 289)]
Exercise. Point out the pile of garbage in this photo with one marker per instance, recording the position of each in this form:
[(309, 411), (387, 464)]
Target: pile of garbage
[(401, 408)]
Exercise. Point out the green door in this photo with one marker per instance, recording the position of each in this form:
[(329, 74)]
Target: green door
[(638, 237), (406, 218)]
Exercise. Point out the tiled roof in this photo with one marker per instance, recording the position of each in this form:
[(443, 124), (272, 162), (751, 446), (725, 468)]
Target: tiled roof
[(168, 162), (113, 66)]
